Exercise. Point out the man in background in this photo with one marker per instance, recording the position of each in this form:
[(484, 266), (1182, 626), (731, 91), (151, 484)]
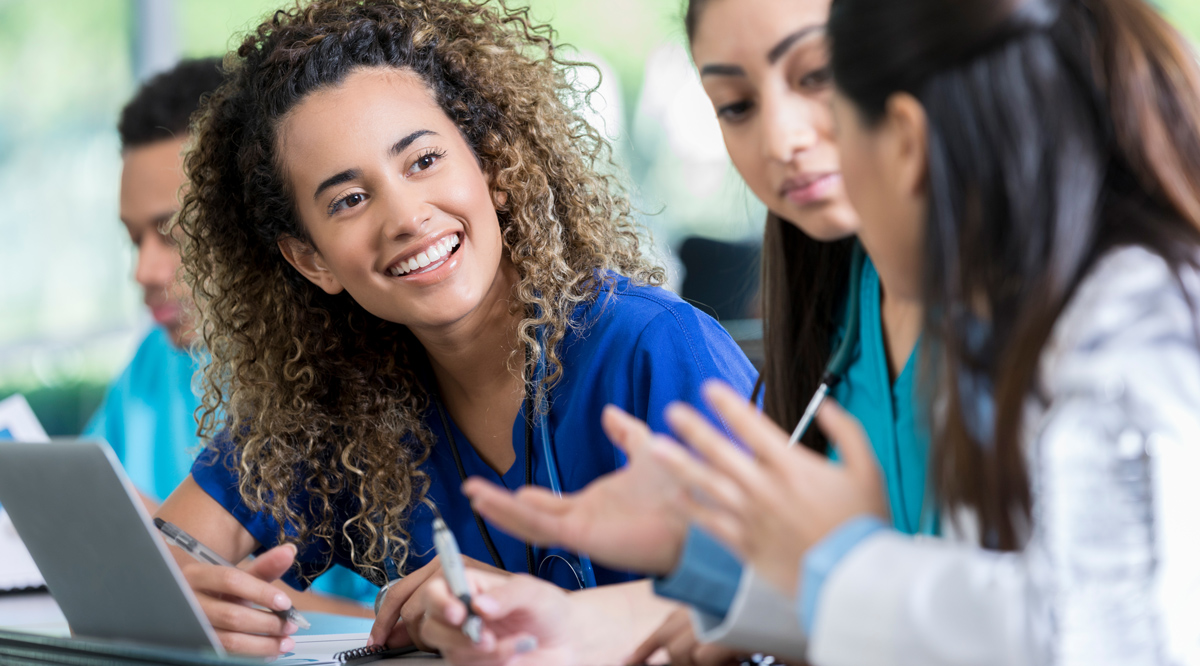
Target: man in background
[(148, 415)]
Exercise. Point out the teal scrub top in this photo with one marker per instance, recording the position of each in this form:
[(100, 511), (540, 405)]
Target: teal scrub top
[(148, 417), (890, 412), (893, 417)]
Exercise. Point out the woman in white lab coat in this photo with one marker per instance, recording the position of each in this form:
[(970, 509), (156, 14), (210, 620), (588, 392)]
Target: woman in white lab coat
[(1040, 161)]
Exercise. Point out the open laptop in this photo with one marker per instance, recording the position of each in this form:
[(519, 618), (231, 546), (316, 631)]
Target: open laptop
[(108, 569)]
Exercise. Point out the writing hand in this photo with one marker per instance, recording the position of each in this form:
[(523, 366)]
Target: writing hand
[(398, 622), (225, 593)]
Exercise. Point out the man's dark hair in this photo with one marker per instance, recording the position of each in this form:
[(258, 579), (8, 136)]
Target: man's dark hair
[(162, 106)]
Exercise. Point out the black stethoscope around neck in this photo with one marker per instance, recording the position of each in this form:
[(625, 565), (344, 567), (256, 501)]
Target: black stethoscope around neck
[(536, 421)]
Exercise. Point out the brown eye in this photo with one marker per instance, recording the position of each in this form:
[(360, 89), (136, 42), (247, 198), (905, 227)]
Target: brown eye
[(735, 111), (349, 201), (817, 79), (426, 161)]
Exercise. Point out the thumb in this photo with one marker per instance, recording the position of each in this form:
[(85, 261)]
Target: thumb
[(851, 440), (274, 563)]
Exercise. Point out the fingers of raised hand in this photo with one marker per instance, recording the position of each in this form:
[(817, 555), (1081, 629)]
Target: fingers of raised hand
[(852, 442), (704, 480), (754, 429), (625, 431), (257, 646), (528, 514), (694, 430)]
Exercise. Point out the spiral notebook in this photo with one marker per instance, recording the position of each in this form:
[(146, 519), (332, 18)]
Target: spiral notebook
[(337, 649)]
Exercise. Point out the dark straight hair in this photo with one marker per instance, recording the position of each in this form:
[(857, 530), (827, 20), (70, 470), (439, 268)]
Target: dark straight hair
[(799, 306), (1058, 130)]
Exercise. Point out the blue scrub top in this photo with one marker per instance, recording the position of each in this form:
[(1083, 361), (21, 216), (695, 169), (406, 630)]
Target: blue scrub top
[(891, 413), (637, 347), (148, 418)]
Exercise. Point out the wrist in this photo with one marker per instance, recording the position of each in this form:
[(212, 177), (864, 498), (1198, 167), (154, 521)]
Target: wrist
[(671, 554)]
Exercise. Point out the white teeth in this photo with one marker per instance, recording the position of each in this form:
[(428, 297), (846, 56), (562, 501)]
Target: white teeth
[(433, 255)]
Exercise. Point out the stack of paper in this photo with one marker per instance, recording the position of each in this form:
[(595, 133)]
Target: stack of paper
[(17, 570)]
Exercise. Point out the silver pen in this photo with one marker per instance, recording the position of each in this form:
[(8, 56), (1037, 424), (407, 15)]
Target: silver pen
[(455, 572), (202, 553)]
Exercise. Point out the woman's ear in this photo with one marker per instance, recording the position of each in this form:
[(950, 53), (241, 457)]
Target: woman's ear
[(499, 197), (305, 259), (908, 133)]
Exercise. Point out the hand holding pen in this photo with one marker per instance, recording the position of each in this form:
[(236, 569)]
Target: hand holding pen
[(231, 599)]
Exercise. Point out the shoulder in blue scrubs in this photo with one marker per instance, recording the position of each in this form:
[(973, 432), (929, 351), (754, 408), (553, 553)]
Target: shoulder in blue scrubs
[(148, 417), (637, 347), (707, 576)]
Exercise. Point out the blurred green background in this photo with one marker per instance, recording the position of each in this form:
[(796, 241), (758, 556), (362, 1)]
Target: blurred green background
[(72, 313)]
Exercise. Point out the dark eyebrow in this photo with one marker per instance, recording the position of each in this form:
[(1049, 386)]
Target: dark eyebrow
[(722, 70), (336, 179), (773, 56), (785, 44), (407, 141), (351, 174)]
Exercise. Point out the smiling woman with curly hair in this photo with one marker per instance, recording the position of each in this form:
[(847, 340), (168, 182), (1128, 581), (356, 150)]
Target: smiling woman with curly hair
[(412, 268)]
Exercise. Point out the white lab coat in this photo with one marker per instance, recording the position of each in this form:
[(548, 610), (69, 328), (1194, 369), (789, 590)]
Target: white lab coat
[(1111, 569)]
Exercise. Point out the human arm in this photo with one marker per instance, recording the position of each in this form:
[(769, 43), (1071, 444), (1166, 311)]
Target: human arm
[(224, 592), (1110, 569), (601, 625)]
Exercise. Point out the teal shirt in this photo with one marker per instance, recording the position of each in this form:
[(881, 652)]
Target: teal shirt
[(148, 417), (890, 412), (707, 575)]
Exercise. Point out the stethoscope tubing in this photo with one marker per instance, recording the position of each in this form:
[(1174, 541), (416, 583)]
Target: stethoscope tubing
[(840, 361)]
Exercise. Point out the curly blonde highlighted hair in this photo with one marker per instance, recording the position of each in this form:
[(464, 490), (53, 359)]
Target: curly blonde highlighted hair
[(317, 394)]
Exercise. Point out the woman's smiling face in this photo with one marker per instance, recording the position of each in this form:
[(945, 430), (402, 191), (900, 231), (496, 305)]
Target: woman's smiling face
[(397, 209)]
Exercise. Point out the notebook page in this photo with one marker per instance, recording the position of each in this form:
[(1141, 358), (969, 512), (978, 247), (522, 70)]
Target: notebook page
[(17, 570)]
